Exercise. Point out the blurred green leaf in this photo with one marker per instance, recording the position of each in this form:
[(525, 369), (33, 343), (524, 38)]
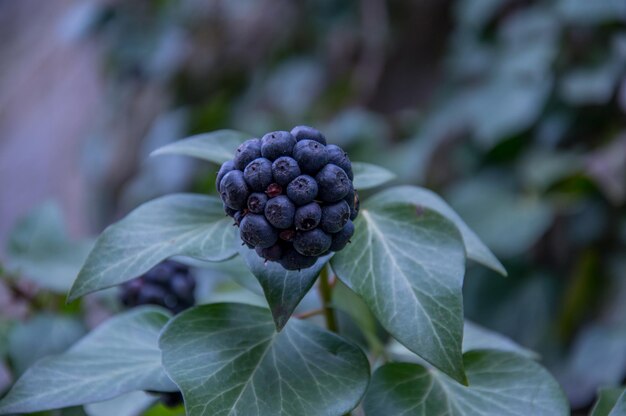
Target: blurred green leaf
[(508, 223), (118, 357), (500, 384), (591, 12), (591, 86), (367, 176), (407, 264), (611, 402), (179, 224), (217, 146), (41, 336), (597, 359), (346, 300), (40, 249), (130, 404), (475, 338), (253, 370)]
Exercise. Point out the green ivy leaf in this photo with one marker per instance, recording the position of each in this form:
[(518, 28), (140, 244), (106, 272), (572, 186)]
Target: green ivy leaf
[(611, 402), (179, 224), (130, 404), (41, 336), (217, 146), (229, 359), (40, 249), (368, 176), (119, 356), (474, 338), (500, 384), (283, 289), (474, 248), (407, 264)]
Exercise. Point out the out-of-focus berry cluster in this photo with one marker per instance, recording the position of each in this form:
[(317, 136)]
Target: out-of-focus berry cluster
[(292, 196), (168, 284)]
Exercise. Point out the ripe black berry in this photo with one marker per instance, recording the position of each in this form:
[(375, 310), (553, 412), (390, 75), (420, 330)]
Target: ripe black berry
[(291, 195), (258, 174), (312, 243), (308, 133), (308, 216), (335, 216), (333, 183), (256, 231), (246, 153), (310, 155), (338, 157), (280, 212), (277, 144), (302, 190), (224, 169), (285, 169), (234, 190), (342, 238), (169, 284), (292, 260)]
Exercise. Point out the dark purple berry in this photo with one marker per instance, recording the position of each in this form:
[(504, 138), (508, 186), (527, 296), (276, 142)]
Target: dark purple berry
[(353, 202), (302, 190), (273, 253), (333, 183), (310, 155), (335, 216), (277, 144), (342, 238), (280, 212), (234, 190), (224, 169), (292, 260), (338, 157), (308, 216), (308, 133), (229, 211), (285, 169), (258, 174), (246, 153), (312, 243), (256, 231)]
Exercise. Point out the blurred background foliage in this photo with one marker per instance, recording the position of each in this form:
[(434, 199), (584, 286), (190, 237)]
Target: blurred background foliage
[(513, 110)]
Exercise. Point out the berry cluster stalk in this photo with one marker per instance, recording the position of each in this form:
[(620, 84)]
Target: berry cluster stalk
[(325, 290)]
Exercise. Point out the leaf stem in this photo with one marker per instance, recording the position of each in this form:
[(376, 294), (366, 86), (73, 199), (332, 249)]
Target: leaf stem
[(309, 314), (325, 291)]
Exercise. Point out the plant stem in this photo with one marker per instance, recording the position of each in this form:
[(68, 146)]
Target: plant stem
[(308, 314), (326, 296)]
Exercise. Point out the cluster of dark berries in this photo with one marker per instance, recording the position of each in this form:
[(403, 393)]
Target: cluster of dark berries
[(168, 284), (291, 195)]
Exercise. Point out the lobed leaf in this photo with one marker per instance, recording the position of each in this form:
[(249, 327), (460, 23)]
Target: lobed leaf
[(500, 384), (368, 176), (228, 359), (40, 249), (283, 289), (474, 248), (179, 224), (118, 357), (407, 264)]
